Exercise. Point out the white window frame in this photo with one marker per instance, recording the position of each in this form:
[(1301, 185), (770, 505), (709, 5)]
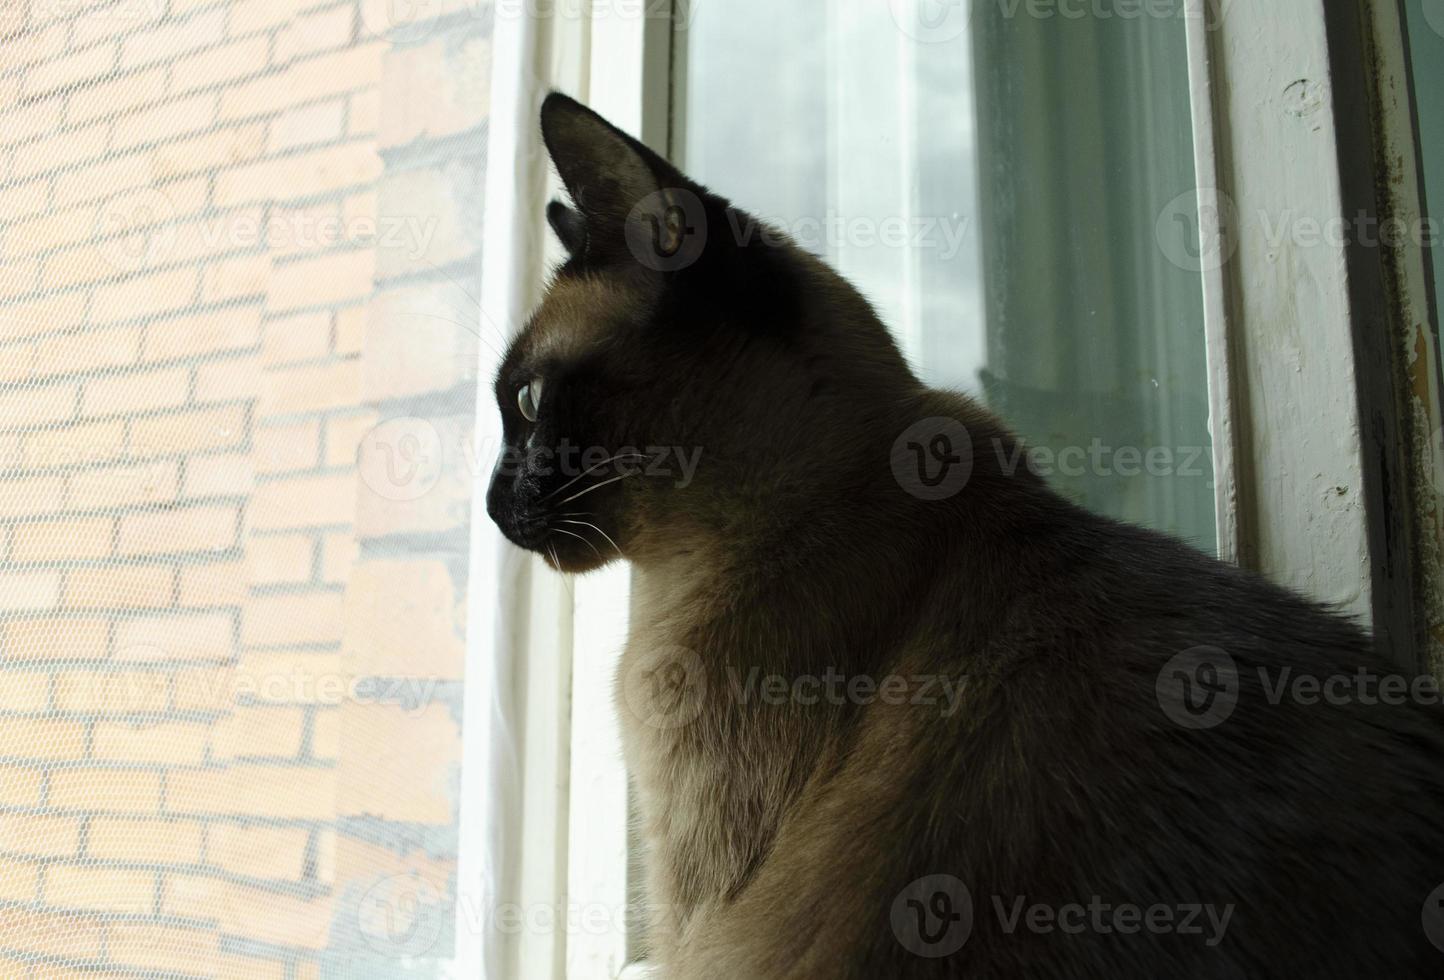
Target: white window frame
[(1298, 439)]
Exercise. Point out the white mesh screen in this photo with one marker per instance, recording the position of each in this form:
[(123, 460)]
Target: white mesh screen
[(237, 375)]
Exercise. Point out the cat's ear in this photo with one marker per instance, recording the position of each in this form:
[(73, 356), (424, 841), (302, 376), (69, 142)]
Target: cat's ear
[(569, 226), (629, 199)]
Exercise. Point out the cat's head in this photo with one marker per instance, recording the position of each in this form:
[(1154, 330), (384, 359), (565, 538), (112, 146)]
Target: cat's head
[(686, 364)]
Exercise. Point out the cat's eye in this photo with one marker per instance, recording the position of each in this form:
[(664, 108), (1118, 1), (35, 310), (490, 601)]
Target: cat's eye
[(528, 398)]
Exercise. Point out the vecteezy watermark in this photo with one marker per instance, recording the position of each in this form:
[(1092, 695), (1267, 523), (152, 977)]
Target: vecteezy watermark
[(1101, 459), (1363, 686), (939, 21), (1206, 921), (832, 687), (1434, 15), (666, 231), (833, 230), (567, 459), (402, 915), (401, 459), (1363, 229), (1199, 688), (665, 687), (933, 459), (1433, 918), (1195, 230), (933, 916), (136, 229)]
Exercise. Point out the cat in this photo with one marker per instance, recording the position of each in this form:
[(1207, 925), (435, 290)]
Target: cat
[(891, 709)]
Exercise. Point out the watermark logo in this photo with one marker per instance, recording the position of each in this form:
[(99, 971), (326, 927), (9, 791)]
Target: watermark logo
[(401, 459), (401, 915), (1194, 230), (933, 459), (665, 689), (136, 229), (1433, 918), (932, 21), (1198, 689), (933, 916), (1434, 15), (401, 21), (667, 230)]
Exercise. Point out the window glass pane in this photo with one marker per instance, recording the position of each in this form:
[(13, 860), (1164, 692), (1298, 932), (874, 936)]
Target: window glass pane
[(1015, 194)]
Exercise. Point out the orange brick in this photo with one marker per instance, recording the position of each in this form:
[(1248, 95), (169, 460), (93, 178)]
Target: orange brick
[(301, 175), (222, 584), (233, 379), (51, 313), (338, 556), (51, 933), (308, 125), (292, 677), (143, 483), (30, 497), (350, 329), (259, 852), (435, 89), (35, 46), (164, 948), (59, 152), (281, 449), (105, 790), (419, 341), (179, 117), (119, 96), (55, 540), (19, 200), (170, 41), (24, 692), (191, 529), (193, 336), (303, 337), (31, 121), (100, 889), (171, 841), (308, 501), (248, 16), (311, 388), (262, 791), (222, 64), (39, 836), (218, 234), (171, 743), (326, 733), (19, 882), (328, 280), (110, 21), (365, 113), (405, 619), (407, 772), (29, 590), (120, 587), (236, 278), (115, 692), (146, 295), (88, 351), (196, 636), (62, 72), (221, 148), (95, 181), (272, 732), (343, 437), (35, 406), (136, 392), (21, 785), (288, 619), (72, 445), (241, 967), (44, 738), (213, 428), (55, 638), (50, 230), (279, 560), (205, 689), (18, 278), (316, 32), (219, 476)]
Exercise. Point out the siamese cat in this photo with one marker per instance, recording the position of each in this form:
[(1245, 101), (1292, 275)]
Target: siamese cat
[(892, 709)]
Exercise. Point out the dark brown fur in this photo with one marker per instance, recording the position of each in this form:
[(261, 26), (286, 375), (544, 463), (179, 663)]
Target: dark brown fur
[(779, 836)]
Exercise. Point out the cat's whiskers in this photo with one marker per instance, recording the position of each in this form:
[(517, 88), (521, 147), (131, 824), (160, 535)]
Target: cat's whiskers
[(590, 470), (583, 540), (597, 486), (598, 530)]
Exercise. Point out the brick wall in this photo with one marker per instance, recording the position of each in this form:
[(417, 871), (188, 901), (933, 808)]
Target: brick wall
[(238, 268)]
